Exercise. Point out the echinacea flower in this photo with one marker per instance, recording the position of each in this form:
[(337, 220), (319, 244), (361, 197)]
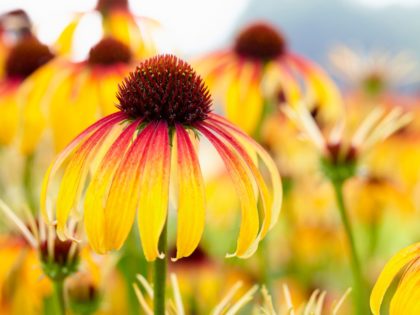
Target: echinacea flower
[(259, 69), (228, 305), (406, 298), (342, 150), (58, 258), (164, 108), (118, 22), (21, 83), (374, 72), (79, 94)]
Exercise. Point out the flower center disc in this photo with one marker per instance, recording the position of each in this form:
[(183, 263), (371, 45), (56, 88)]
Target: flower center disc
[(260, 41), (106, 5), (26, 57), (165, 88), (109, 51)]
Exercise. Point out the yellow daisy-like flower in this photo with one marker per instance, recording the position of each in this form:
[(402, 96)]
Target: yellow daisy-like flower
[(118, 22), (164, 107), (259, 68), (406, 299), (78, 94), (20, 83)]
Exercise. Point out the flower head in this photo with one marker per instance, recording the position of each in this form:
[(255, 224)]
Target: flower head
[(109, 51), (406, 299), (117, 22), (258, 72), (72, 95), (165, 88), (163, 106), (260, 41), (341, 151), (26, 57)]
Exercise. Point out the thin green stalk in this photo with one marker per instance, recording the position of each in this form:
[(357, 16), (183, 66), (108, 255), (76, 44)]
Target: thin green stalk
[(59, 295), (160, 266), (359, 289), (28, 183)]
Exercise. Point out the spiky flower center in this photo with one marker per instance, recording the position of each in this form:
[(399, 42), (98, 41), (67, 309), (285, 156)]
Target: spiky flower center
[(165, 88), (26, 57), (109, 51), (260, 41), (105, 5)]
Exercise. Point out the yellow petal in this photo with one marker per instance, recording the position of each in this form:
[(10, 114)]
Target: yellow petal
[(244, 103), (35, 99), (74, 178), (9, 117), (191, 202), (74, 106), (391, 269), (64, 43), (242, 178), (154, 191), (123, 197), (94, 211), (406, 299), (276, 186)]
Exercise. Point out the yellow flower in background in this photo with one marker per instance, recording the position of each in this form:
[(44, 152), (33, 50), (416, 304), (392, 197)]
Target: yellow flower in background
[(117, 22), (375, 196), (22, 288), (164, 107), (79, 93), (406, 298), (259, 68), (22, 83)]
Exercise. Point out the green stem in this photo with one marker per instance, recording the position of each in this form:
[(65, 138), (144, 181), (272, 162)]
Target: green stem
[(28, 182), (159, 284), (59, 295), (358, 292)]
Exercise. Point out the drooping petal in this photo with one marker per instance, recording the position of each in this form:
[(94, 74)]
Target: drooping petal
[(94, 211), (268, 162), (35, 97), (154, 191), (242, 179), (391, 269), (64, 43), (191, 200), (266, 198), (74, 177), (123, 196), (244, 103), (100, 126)]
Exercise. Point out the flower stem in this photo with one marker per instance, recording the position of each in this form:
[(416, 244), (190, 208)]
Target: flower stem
[(59, 295), (358, 283), (28, 182), (160, 266)]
